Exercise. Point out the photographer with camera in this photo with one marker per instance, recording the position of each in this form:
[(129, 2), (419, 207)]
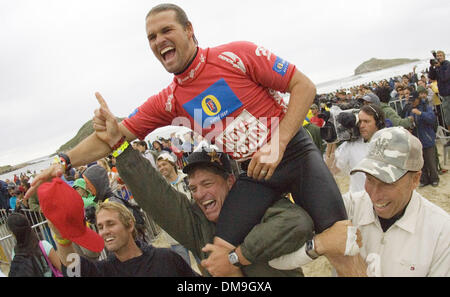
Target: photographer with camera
[(440, 71), (350, 153)]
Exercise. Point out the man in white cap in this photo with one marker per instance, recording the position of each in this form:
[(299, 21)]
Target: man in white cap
[(403, 234)]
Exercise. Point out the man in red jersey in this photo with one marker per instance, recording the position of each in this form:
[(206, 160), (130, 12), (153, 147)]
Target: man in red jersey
[(229, 94)]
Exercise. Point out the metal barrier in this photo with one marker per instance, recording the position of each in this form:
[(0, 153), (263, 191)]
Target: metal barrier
[(398, 106), (7, 241)]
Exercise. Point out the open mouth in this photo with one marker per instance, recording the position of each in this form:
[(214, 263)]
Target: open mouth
[(109, 239), (168, 53), (209, 204), (381, 205)]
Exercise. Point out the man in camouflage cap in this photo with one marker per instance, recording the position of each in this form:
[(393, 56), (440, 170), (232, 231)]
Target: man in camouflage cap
[(403, 234), (392, 153), (407, 233)]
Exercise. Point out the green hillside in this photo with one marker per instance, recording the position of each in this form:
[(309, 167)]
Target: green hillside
[(84, 132)]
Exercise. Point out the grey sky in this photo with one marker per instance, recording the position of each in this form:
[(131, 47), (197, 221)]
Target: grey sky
[(55, 55)]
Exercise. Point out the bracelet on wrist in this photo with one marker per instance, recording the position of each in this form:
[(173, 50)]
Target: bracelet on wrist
[(119, 143), (121, 149), (62, 241)]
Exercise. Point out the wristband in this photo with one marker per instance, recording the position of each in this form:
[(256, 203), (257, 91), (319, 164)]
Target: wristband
[(119, 143), (62, 241), (121, 149)]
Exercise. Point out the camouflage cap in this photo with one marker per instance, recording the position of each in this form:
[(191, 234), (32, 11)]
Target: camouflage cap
[(392, 153)]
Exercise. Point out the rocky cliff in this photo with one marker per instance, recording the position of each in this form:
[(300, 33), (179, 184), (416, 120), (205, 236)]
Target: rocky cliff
[(379, 64)]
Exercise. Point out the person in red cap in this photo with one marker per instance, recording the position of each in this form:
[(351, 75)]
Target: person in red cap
[(64, 209)]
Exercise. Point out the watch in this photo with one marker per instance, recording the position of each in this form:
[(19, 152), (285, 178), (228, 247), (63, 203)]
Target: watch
[(310, 249), (234, 259)]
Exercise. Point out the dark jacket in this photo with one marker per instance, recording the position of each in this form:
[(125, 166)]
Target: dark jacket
[(424, 125), (284, 228), (442, 75), (154, 262), (392, 117)]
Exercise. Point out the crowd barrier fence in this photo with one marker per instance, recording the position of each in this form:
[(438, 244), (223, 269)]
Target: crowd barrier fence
[(40, 226)]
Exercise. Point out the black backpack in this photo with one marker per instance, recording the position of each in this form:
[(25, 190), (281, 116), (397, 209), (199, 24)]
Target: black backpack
[(24, 265)]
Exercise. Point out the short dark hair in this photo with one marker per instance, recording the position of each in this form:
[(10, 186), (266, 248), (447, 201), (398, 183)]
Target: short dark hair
[(384, 93), (377, 113), (142, 143), (180, 14)]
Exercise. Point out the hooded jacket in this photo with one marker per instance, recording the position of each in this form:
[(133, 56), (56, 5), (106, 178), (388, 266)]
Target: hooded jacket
[(98, 177)]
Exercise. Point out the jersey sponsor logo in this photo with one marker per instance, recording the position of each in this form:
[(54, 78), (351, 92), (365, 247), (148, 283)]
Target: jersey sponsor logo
[(234, 60), (280, 66), (243, 136), (215, 103), (211, 105)]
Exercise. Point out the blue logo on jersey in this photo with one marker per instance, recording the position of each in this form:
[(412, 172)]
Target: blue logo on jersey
[(215, 103), (280, 66), (133, 113)]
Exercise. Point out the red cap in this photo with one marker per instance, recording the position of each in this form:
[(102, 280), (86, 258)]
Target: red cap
[(63, 206)]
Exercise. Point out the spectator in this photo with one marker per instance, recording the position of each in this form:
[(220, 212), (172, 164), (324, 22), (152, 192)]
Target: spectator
[(425, 120), (319, 122), (4, 195), (314, 133), (403, 233), (141, 146), (440, 71), (370, 98), (116, 225), (168, 169), (283, 227), (12, 190), (188, 144), (112, 176), (157, 146), (392, 117), (29, 246), (80, 186), (176, 141), (350, 153)]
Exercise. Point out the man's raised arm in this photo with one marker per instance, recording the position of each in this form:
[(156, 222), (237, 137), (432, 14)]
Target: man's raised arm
[(96, 146)]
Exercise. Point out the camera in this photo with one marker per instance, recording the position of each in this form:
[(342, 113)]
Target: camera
[(434, 62), (342, 125)]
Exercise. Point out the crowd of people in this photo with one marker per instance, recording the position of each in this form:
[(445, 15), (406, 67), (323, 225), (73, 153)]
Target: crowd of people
[(407, 101), (258, 198)]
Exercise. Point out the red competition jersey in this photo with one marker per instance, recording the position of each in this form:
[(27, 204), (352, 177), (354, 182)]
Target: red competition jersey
[(229, 94)]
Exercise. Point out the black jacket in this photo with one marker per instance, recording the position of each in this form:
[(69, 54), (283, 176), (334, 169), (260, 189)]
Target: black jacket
[(442, 75)]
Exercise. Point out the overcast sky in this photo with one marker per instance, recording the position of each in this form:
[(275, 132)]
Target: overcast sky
[(55, 55)]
